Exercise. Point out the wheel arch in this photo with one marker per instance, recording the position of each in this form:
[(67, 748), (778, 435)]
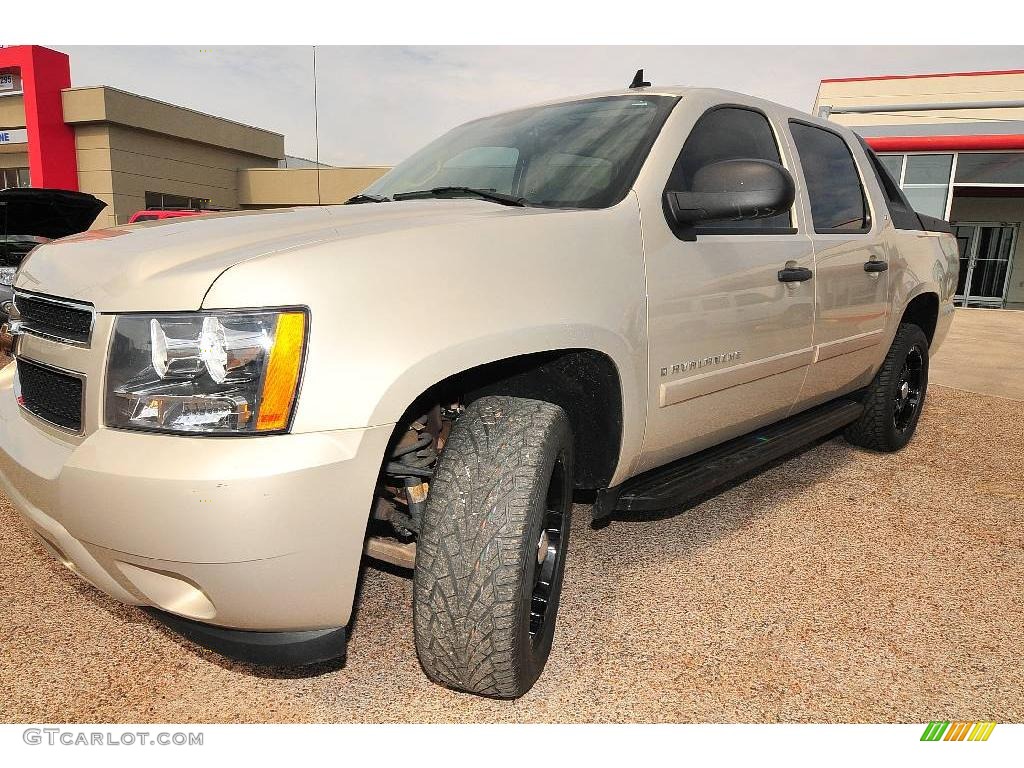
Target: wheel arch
[(585, 381), (923, 311)]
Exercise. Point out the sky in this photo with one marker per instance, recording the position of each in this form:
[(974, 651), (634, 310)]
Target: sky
[(378, 104)]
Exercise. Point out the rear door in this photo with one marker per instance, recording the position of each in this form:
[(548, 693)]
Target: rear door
[(851, 266)]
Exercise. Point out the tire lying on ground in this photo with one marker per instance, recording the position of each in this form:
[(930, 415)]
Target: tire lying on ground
[(894, 399), (490, 555)]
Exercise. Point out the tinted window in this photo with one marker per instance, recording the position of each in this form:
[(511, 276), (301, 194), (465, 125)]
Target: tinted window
[(728, 133), (833, 185), (166, 201)]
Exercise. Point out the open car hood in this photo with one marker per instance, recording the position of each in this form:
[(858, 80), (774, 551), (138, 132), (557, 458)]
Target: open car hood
[(50, 213)]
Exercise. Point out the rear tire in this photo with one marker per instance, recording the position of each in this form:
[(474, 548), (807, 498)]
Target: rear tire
[(491, 549), (895, 397)]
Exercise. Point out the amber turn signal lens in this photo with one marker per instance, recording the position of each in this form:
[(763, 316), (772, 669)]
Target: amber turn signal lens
[(282, 379)]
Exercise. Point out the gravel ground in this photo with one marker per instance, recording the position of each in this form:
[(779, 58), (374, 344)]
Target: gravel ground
[(837, 586)]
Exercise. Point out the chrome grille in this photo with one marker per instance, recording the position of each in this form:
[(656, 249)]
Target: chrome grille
[(53, 318)]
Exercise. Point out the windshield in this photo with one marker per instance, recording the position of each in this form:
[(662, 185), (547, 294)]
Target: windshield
[(581, 154)]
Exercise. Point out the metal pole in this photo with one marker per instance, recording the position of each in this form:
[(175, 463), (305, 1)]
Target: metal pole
[(316, 131)]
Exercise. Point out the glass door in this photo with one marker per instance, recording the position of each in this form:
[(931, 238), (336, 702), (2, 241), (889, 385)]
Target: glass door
[(986, 249)]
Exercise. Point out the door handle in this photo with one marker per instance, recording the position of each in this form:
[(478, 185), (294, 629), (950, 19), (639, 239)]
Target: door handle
[(876, 266), (795, 274)]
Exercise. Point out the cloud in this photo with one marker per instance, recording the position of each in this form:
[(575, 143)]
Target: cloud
[(377, 104)]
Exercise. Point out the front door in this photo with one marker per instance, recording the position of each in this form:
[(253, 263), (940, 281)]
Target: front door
[(985, 252), (729, 341)]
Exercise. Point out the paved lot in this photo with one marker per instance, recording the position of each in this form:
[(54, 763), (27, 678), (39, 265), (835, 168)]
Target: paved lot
[(984, 353), (837, 586)]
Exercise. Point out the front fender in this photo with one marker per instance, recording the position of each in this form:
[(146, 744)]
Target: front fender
[(473, 352)]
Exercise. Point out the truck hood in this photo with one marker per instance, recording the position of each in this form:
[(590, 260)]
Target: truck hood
[(49, 213), (170, 265)]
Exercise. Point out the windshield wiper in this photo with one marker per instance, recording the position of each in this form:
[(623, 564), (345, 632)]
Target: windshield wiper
[(453, 192), (367, 199)]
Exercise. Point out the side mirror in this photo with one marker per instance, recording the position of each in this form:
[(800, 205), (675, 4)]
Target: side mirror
[(733, 190)]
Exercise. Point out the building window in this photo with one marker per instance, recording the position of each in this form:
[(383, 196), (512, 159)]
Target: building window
[(990, 168), (14, 177), (924, 179), (163, 201), (926, 183)]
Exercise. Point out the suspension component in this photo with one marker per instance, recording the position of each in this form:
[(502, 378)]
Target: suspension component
[(411, 466)]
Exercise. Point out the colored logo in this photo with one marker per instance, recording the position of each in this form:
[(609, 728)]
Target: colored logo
[(943, 730)]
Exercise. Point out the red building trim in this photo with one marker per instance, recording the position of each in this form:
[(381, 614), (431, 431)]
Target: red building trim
[(945, 143), (52, 161), (914, 77)]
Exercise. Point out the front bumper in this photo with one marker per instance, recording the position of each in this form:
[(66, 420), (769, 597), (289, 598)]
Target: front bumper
[(288, 649), (249, 533)]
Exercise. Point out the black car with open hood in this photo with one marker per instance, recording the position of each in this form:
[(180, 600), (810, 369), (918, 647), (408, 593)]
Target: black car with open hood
[(30, 217)]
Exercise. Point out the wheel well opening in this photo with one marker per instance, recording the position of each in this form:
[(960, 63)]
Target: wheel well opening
[(583, 382), (923, 311)]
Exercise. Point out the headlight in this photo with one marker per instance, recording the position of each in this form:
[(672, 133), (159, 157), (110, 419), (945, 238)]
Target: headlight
[(205, 372), (7, 275)]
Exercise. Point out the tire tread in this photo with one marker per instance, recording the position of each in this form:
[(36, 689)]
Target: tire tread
[(468, 576), (874, 429)]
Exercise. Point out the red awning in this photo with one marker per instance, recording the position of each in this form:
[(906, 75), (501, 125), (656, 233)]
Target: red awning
[(945, 143)]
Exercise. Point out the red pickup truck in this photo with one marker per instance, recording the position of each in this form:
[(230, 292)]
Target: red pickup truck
[(156, 215)]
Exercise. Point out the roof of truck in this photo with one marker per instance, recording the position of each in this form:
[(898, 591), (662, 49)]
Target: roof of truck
[(720, 95)]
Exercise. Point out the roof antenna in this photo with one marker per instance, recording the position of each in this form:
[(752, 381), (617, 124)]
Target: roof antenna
[(638, 80)]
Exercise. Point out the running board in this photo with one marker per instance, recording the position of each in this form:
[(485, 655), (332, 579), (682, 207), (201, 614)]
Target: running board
[(673, 485)]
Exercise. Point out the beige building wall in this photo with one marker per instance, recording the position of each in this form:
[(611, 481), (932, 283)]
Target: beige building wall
[(919, 90), (119, 165), (12, 111), (101, 104), (12, 115), (259, 188), (128, 145), (13, 156)]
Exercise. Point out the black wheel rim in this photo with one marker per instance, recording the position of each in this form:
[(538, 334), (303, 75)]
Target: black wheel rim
[(549, 554), (909, 389)]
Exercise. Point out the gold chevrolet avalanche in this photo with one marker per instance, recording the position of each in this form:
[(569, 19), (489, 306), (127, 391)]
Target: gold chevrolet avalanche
[(641, 294)]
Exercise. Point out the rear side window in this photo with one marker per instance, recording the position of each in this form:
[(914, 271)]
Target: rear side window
[(900, 210), (729, 133), (833, 184)]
